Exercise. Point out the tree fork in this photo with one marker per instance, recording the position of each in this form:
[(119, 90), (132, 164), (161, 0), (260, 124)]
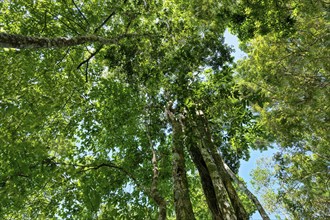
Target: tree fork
[(223, 201)]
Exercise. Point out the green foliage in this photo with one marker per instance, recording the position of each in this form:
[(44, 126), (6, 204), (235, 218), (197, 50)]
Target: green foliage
[(292, 74), (258, 17), (77, 125)]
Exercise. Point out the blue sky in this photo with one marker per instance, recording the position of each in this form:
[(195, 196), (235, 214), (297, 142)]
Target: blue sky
[(247, 166)]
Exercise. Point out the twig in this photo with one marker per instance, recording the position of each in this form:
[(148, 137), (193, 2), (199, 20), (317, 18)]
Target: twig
[(61, 60), (104, 22), (80, 12), (87, 61)]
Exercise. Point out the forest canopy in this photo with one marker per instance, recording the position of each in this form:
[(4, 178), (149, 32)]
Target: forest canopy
[(136, 110)]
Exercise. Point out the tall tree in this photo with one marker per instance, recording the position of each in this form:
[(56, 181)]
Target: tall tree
[(102, 102)]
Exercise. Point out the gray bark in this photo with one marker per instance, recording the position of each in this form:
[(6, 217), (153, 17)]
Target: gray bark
[(206, 180), (28, 42), (206, 137), (252, 197), (182, 202)]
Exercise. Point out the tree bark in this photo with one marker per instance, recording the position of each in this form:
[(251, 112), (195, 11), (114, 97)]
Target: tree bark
[(221, 196), (28, 42), (226, 208), (252, 197), (207, 185), (160, 201), (182, 203), (211, 149)]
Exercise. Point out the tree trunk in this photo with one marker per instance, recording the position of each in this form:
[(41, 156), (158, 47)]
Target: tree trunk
[(160, 201), (28, 42), (252, 197), (222, 196), (210, 148), (235, 200), (207, 185), (182, 203)]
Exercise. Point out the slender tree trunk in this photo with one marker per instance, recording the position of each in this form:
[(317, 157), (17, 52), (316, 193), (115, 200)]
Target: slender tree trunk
[(211, 149), (252, 197), (160, 201), (226, 208), (235, 200), (182, 203), (222, 198), (28, 42), (206, 181)]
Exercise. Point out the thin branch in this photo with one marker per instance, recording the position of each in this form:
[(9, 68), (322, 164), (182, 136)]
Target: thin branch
[(45, 23), (86, 72), (82, 14), (61, 60), (90, 57), (104, 22), (87, 62), (252, 197), (96, 167)]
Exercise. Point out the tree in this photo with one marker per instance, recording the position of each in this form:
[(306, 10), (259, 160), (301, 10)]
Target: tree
[(290, 73), (102, 102)]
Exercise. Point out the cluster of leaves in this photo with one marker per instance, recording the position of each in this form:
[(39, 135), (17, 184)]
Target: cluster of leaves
[(292, 74), (250, 18)]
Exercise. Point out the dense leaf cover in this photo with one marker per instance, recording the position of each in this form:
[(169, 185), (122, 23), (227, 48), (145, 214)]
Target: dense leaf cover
[(291, 72), (129, 109)]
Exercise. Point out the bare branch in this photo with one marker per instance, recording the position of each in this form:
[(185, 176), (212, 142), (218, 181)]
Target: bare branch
[(90, 57), (104, 22), (80, 12), (252, 197)]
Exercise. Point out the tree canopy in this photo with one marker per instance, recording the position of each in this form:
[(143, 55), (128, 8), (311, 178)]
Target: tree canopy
[(291, 73), (135, 109)]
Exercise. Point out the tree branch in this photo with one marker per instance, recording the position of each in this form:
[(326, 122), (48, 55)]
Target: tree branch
[(28, 42), (80, 12), (90, 57), (252, 197), (87, 61), (104, 22), (154, 192)]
